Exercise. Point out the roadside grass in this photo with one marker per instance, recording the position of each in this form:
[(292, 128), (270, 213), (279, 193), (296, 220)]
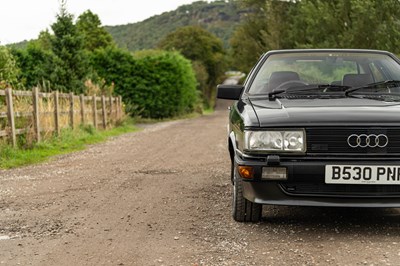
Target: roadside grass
[(208, 111), (68, 141), (141, 120)]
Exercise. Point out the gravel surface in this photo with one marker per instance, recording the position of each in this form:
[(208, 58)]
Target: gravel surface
[(162, 196)]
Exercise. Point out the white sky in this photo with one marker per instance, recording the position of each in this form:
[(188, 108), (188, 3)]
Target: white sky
[(25, 19)]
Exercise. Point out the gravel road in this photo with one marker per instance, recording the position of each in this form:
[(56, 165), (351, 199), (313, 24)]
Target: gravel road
[(161, 196)]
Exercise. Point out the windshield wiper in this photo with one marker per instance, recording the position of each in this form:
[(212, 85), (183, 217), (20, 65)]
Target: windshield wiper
[(378, 85), (306, 89), (272, 95)]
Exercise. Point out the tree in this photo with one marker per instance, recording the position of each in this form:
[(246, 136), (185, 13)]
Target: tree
[(370, 24), (276, 24), (70, 64), (36, 64), (200, 46), (94, 35), (267, 27), (9, 70), (44, 40)]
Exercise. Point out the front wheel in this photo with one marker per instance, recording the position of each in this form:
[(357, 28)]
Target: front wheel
[(243, 210)]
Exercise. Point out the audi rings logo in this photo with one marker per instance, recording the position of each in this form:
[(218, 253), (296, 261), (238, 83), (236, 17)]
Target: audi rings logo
[(370, 141)]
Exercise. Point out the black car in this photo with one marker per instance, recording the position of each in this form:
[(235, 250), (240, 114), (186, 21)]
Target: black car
[(315, 128)]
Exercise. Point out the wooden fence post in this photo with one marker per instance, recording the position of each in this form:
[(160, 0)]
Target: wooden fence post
[(36, 113), (111, 110), (56, 113), (120, 106), (94, 111), (10, 115), (82, 100), (103, 109), (116, 108), (71, 110)]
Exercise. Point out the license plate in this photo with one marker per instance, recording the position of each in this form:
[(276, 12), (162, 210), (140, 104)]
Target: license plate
[(362, 174)]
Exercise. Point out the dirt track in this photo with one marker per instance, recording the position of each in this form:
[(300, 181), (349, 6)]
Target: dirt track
[(162, 197)]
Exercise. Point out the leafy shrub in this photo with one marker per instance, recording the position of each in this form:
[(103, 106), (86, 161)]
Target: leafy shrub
[(8, 69), (158, 84)]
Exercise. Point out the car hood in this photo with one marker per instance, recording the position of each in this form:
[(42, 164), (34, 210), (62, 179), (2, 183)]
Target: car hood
[(325, 112)]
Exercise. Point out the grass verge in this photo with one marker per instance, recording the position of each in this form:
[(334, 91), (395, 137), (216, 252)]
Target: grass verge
[(68, 141), (141, 120)]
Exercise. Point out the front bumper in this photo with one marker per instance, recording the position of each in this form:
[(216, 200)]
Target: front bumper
[(306, 184)]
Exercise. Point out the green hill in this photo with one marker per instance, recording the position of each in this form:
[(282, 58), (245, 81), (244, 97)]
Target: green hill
[(219, 17)]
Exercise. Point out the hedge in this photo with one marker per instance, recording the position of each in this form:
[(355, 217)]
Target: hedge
[(153, 85)]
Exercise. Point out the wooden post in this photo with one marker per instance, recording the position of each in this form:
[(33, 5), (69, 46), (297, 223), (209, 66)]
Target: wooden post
[(82, 100), (103, 109), (36, 113), (116, 108), (71, 110), (10, 115), (111, 109), (94, 111), (120, 107), (56, 114)]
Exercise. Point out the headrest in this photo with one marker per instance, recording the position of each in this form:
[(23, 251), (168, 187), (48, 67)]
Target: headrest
[(279, 77), (357, 80)]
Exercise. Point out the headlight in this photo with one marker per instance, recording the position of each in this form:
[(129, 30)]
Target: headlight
[(275, 140)]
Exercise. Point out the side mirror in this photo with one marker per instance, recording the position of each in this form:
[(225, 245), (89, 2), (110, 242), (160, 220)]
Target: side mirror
[(229, 92)]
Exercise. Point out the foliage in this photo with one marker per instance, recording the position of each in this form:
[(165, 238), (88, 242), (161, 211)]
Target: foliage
[(8, 69), (44, 40), (157, 85), (264, 29), (201, 74), (201, 47), (166, 86), (219, 17), (70, 67), (348, 23), (115, 66), (94, 35), (35, 64), (60, 61), (274, 24)]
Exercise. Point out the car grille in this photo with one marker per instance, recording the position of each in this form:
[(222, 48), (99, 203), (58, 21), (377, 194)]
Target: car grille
[(321, 189), (334, 141)]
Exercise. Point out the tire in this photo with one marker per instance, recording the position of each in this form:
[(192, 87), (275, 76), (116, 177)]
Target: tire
[(243, 210)]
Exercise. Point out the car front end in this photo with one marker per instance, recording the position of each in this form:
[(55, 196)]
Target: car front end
[(327, 135)]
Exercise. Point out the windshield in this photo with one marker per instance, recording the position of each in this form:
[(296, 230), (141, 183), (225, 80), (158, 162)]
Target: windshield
[(350, 70)]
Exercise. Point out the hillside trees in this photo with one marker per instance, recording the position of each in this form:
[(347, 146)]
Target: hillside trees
[(204, 49), (219, 17)]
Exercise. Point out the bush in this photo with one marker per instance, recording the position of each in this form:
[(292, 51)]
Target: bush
[(152, 85), (8, 69)]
